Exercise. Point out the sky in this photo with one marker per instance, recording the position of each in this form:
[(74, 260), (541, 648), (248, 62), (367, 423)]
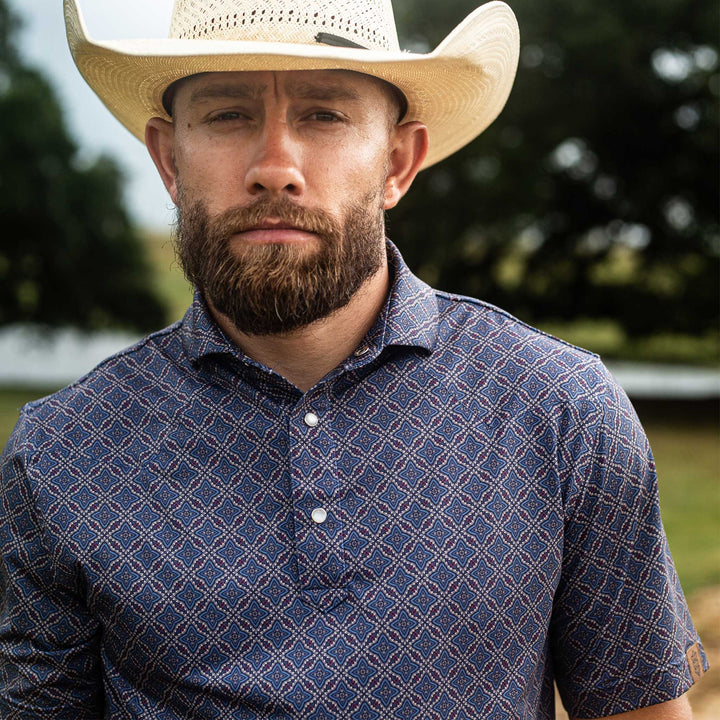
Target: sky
[(42, 44)]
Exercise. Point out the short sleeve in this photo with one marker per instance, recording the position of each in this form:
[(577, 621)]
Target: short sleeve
[(49, 649), (621, 631)]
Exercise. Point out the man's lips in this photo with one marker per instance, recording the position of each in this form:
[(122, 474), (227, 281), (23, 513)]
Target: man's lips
[(275, 231)]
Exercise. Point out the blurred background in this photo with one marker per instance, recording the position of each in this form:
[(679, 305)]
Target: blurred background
[(589, 209)]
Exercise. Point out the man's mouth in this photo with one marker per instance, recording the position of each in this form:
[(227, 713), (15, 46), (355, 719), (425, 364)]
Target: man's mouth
[(270, 231)]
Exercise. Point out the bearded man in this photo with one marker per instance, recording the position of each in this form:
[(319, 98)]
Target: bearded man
[(329, 491)]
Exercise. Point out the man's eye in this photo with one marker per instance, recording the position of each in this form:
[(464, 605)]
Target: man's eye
[(325, 116), (227, 116)]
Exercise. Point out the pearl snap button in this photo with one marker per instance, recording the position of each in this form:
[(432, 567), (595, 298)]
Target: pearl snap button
[(319, 515), (311, 419), (362, 350)]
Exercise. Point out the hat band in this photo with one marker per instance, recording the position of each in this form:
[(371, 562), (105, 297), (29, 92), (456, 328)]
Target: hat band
[(337, 41)]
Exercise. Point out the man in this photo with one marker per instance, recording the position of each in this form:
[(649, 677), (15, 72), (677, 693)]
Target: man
[(330, 491)]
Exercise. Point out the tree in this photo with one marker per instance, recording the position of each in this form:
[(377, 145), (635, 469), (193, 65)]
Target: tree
[(595, 194), (68, 252)]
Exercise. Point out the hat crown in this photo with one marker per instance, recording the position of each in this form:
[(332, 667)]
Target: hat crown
[(369, 23)]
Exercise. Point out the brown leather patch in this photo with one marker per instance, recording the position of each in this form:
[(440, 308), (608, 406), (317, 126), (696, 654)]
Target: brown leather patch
[(695, 663)]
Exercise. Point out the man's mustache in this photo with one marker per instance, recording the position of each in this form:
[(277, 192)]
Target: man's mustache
[(281, 210)]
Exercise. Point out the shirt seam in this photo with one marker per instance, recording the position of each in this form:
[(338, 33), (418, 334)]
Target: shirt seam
[(489, 307)]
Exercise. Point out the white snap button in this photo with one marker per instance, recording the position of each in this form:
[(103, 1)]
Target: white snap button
[(319, 515), (311, 419), (362, 350)]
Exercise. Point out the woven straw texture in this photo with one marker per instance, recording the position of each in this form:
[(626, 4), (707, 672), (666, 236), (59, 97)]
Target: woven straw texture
[(457, 90), (369, 23)]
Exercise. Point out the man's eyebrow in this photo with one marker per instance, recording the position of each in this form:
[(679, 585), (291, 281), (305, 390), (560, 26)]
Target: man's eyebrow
[(322, 91), (305, 90), (238, 91)]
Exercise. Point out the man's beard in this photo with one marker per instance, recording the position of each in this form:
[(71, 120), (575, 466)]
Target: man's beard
[(276, 288)]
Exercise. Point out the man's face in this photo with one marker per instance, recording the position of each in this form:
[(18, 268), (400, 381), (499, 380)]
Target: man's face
[(281, 188)]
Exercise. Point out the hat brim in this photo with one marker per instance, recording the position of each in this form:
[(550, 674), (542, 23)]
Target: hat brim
[(456, 91)]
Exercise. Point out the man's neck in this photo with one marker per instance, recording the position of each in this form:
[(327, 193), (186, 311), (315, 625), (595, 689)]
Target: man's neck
[(304, 356)]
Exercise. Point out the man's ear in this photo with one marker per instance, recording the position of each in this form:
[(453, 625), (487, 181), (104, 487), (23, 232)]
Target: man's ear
[(159, 135), (409, 148)]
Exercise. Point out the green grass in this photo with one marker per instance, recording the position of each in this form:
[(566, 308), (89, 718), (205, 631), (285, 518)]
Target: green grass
[(11, 400), (606, 338), (687, 453), (169, 279)]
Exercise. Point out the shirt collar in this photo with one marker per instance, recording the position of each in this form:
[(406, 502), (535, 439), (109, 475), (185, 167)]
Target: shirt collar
[(410, 315), (201, 337), (409, 318)]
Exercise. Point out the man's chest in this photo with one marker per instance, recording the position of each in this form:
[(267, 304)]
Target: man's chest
[(348, 548)]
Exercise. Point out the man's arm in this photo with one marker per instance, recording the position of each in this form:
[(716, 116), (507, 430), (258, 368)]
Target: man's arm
[(49, 654), (621, 631), (678, 709)]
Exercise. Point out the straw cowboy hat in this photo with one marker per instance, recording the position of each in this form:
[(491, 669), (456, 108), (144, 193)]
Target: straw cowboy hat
[(457, 90)]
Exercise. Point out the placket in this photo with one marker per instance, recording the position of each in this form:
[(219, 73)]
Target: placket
[(318, 512)]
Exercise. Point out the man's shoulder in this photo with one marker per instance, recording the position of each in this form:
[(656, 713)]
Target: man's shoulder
[(515, 369), (492, 327), (119, 380), (501, 356)]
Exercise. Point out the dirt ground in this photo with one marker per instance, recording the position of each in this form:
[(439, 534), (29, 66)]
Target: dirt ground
[(705, 695)]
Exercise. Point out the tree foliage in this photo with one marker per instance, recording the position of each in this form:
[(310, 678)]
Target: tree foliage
[(68, 252), (595, 194)]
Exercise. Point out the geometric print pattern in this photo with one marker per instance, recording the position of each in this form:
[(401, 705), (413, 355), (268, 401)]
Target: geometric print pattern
[(460, 514)]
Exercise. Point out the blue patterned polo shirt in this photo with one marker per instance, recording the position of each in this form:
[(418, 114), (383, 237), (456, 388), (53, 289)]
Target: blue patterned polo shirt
[(460, 513)]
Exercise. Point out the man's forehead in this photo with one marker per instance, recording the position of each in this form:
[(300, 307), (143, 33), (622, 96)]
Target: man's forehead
[(319, 84), (328, 84)]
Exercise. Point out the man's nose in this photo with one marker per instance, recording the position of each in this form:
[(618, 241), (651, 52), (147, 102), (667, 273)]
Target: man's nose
[(275, 163)]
